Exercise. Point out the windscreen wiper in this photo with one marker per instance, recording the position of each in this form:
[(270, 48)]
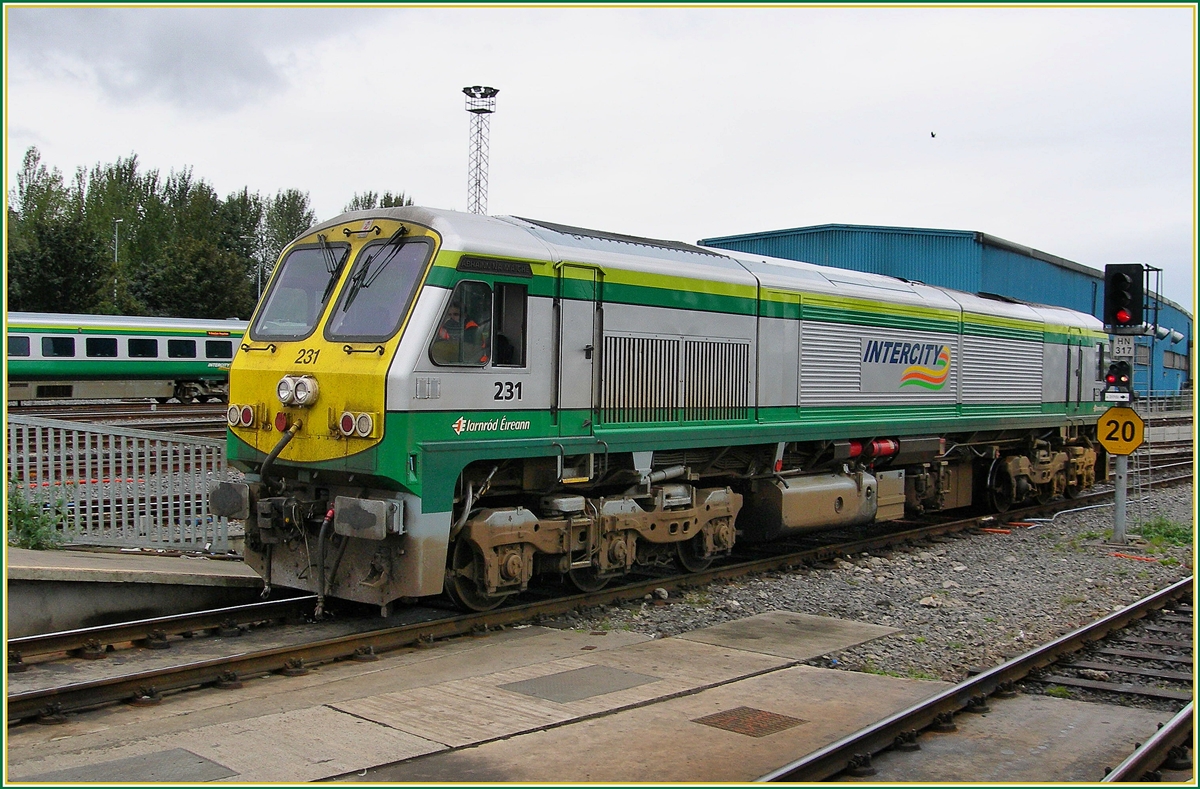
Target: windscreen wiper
[(334, 267), (364, 276)]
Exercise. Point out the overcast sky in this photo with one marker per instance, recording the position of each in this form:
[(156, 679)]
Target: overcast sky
[(1070, 130)]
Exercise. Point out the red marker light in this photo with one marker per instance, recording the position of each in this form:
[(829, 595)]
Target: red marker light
[(347, 425), (281, 421), (247, 416)]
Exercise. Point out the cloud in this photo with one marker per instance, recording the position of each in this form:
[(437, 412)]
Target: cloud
[(192, 58)]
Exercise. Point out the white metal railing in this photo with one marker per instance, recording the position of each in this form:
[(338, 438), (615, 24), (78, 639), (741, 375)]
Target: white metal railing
[(1161, 401), (118, 486)]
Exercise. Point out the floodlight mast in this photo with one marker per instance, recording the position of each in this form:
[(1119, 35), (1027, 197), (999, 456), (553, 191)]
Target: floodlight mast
[(481, 103)]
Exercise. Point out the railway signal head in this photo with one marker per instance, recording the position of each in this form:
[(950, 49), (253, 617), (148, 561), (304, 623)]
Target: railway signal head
[(1123, 296), (1117, 376)]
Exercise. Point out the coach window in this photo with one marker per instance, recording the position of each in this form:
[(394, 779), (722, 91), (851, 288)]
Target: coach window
[(463, 336), (509, 350), (101, 347), (141, 348), (218, 349), (18, 346), (181, 349), (58, 347)]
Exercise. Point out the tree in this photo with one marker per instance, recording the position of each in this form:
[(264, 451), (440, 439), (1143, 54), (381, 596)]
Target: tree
[(56, 262), (288, 215), (195, 279), (368, 200)]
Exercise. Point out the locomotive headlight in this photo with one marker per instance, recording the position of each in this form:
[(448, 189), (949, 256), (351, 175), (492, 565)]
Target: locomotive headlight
[(305, 390), (363, 425), (285, 390)]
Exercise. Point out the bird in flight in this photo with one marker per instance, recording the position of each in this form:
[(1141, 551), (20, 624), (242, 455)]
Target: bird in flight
[(931, 134)]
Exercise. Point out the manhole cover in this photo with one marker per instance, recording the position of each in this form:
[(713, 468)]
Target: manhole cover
[(747, 720)]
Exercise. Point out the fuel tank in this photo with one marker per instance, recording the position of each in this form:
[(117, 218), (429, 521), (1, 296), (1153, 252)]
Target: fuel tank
[(793, 505)]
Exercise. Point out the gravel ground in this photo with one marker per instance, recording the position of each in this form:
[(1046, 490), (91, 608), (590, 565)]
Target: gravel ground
[(959, 603)]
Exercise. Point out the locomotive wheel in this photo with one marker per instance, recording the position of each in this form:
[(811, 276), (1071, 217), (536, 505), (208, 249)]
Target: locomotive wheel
[(1000, 488), (586, 579), (462, 585), (691, 554)]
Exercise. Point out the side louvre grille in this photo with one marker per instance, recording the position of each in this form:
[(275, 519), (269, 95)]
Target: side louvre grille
[(640, 382), (655, 379), (716, 380)]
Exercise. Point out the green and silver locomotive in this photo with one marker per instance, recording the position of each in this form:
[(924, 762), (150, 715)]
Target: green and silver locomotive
[(428, 400)]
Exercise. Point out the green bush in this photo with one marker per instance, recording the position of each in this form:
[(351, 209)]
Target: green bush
[(1163, 531), (32, 524)]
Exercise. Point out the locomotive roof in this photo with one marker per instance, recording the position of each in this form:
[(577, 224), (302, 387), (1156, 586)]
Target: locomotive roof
[(535, 239), (33, 320)]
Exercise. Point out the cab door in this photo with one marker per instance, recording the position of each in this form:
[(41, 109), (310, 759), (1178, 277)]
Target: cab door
[(1077, 374), (578, 327)]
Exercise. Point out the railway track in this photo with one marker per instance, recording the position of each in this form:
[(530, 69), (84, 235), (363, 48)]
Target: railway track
[(203, 420), (852, 754), (50, 703)]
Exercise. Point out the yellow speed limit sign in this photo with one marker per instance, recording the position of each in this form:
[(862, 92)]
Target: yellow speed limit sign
[(1121, 430)]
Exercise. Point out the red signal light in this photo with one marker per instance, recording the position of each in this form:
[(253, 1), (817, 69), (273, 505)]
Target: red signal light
[(1124, 316), (1110, 379)]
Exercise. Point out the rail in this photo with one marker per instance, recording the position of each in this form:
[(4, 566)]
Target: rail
[(118, 486), (836, 757)]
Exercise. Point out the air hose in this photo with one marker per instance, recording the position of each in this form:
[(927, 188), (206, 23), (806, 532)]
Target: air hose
[(283, 442), (321, 537)]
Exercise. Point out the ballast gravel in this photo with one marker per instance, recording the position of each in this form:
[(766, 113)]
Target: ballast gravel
[(960, 604)]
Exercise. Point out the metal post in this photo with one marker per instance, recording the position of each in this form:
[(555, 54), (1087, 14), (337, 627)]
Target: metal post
[(116, 238), (1122, 481)]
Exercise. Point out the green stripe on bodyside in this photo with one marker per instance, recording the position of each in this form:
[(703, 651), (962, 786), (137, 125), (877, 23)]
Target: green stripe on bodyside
[(113, 369), (440, 454), (1006, 328), (842, 309)]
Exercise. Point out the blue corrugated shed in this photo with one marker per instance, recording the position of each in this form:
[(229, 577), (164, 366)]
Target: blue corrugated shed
[(974, 262)]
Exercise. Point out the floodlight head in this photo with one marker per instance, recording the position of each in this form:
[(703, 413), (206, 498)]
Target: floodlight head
[(1176, 336), (1162, 332), (480, 92)]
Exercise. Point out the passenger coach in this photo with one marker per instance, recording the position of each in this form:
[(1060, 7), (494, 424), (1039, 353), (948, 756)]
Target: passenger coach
[(107, 356)]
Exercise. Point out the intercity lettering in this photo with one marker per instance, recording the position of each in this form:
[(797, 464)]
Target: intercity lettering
[(891, 352)]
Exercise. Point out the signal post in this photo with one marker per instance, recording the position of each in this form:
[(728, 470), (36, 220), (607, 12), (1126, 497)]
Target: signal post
[(1121, 430)]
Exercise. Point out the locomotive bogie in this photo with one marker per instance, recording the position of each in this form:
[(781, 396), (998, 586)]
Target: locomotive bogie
[(598, 539)]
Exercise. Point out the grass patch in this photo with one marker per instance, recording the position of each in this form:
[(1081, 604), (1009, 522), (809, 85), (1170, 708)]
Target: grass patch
[(1073, 600), (32, 524), (1162, 531), (1058, 692), (919, 640)]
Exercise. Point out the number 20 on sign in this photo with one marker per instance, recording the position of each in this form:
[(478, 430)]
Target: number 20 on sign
[(1121, 430)]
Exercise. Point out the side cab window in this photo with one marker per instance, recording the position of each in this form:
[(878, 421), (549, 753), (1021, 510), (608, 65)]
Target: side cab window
[(480, 326), (463, 336)]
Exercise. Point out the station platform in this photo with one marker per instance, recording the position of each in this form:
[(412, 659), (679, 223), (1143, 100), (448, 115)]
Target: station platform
[(527, 704), (52, 591)]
